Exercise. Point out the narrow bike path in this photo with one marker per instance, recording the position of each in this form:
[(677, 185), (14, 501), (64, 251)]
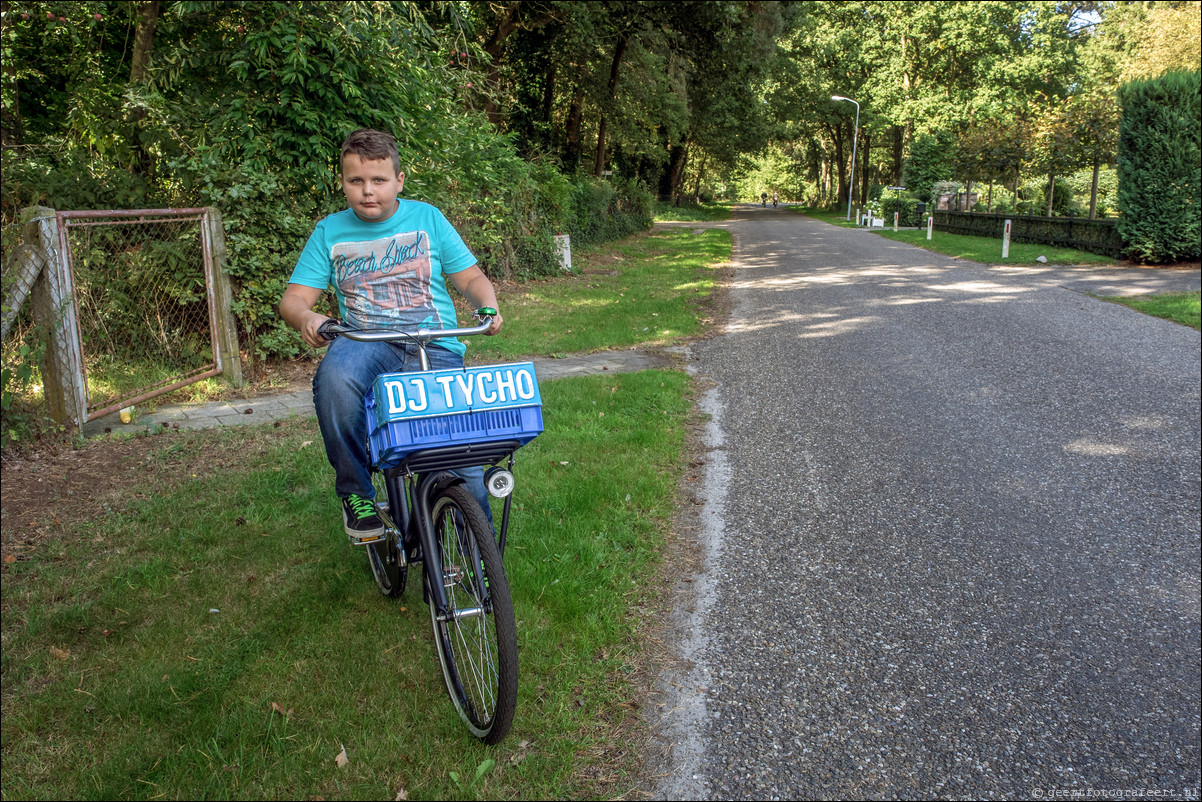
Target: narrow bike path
[(951, 534), (267, 408)]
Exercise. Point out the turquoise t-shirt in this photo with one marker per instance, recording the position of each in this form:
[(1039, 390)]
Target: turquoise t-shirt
[(389, 274)]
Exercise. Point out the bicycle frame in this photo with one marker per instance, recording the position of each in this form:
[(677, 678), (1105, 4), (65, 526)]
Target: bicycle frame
[(410, 492), (413, 483)]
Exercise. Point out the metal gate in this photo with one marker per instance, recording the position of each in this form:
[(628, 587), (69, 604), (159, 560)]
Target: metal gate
[(145, 294)]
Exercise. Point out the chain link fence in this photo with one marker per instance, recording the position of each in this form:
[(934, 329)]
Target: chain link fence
[(142, 301)]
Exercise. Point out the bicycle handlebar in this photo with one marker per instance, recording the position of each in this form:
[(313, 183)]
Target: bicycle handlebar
[(333, 327)]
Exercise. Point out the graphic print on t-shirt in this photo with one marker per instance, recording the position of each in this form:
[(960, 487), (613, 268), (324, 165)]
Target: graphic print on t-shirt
[(385, 283)]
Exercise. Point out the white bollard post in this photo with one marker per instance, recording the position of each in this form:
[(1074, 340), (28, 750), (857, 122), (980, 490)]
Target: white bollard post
[(563, 244), (895, 214), (1006, 241), (930, 225)]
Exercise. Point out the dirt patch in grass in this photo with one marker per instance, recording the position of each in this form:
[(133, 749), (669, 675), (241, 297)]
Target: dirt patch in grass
[(50, 492), (1194, 265)]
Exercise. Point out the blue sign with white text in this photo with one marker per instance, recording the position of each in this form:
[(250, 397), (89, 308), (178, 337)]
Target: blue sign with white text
[(431, 393)]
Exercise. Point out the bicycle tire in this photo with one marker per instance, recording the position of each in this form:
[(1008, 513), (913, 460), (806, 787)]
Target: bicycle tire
[(478, 654), (384, 557)]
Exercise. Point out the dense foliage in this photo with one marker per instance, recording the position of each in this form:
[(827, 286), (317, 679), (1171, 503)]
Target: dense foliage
[(523, 119), (1160, 167), (242, 105)]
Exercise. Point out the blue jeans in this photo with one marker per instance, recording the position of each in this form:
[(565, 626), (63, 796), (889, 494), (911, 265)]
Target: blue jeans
[(343, 380)]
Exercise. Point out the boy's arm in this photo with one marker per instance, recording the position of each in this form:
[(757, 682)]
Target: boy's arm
[(479, 292), (296, 307)]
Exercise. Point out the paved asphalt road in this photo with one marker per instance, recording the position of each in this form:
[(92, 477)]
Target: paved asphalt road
[(951, 533)]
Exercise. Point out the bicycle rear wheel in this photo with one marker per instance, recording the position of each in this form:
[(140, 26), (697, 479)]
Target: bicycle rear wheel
[(477, 643)]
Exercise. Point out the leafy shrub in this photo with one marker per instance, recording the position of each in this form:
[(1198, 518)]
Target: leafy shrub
[(602, 210), (225, 124), (904, 204), (1096, 236), (1160, 167)]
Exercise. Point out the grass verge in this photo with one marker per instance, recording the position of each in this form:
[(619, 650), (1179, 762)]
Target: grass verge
[(702, 212), (235, 650), (988, 250), (833, 216), (211, 635), (651, 289), (1180, 307), (985, 250)]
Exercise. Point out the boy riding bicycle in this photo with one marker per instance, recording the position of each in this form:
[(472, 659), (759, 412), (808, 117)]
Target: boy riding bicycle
[(388, 260)]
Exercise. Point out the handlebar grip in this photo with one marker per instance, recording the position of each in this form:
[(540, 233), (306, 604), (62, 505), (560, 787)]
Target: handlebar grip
[(330, 330)]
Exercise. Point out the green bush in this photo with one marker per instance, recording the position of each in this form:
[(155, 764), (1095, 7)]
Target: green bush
[(224, 125), (1160, 167), (601, 210), (904, 204)]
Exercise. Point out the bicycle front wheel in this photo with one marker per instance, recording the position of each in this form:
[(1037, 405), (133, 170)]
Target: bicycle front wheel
[(477, 640)]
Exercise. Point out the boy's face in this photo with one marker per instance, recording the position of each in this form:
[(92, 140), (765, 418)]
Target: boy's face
[(370, 186)]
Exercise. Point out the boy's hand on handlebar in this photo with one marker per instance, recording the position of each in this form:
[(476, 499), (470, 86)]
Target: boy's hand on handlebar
[(312, 334), (496, 323)]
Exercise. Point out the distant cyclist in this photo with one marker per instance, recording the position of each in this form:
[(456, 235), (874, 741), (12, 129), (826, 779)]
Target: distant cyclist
[(764, 198), (775, 198)]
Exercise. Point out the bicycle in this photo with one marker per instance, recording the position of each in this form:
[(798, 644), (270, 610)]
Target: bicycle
[(428, 423)]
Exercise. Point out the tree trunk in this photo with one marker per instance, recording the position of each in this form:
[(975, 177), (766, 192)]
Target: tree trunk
[(864, 169), (898, 153), (697, 186), (148, 17), (840, 165), (669, 188), (139, 73), (1093, 190), (510, 21), (572, 147), (1051, 191), (677, 173), (507, 24), (619, 51)]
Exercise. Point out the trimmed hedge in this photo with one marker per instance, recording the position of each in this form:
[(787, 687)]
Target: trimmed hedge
[(1160, 167), (1095, 236), (906, 207)]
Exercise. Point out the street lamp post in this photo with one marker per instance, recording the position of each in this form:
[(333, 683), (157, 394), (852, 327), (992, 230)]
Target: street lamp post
[(851, 187)]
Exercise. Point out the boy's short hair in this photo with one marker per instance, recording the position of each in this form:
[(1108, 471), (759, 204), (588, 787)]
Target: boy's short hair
[(371, 145)]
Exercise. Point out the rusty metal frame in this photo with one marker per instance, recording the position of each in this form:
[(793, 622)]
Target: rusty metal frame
[(104, 218)]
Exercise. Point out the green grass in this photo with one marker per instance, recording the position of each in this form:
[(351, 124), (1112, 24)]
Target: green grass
[(985, 250), (120, 681), (649, 289), (988, 250), (836, 217), (219, 639), (1180, 307), (702, 212)]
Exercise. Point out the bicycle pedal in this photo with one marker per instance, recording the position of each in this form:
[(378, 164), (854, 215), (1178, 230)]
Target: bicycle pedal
[(366, 541)]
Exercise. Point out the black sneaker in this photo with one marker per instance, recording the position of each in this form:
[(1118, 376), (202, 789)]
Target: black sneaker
[(360, 521)]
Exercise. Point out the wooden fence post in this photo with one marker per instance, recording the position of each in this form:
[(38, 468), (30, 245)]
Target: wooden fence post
[(53, 299), (228, 356)]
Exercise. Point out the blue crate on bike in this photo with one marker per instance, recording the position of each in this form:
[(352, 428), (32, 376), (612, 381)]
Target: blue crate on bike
[(411, 411)]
